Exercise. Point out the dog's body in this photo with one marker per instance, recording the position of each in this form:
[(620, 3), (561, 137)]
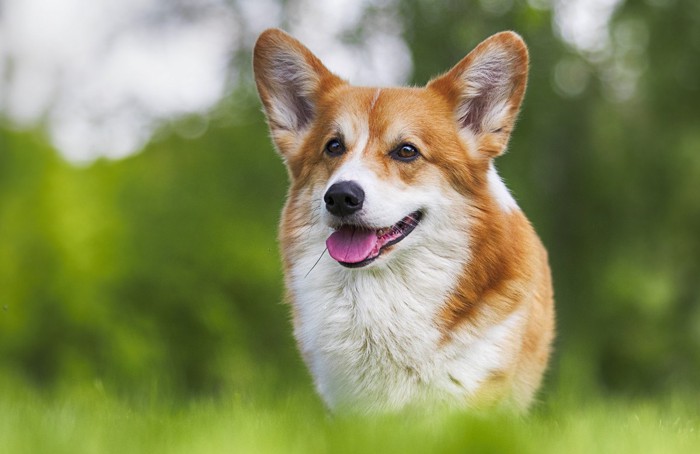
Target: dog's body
[(435, 289)]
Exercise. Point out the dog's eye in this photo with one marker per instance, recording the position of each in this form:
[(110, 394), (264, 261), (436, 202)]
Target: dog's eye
[(335, 147), (405, 152)]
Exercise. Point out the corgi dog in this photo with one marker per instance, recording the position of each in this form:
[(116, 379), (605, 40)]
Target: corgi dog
[(414, 278)]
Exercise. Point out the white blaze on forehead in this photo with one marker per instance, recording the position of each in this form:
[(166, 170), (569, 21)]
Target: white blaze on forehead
[(352, 170), (374, 100), (499, 191), (354, 129)]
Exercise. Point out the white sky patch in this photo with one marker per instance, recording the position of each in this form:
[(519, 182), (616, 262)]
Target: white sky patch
[(103, 75), (261, 14), (584, 24), (618, 52), (380, 58)]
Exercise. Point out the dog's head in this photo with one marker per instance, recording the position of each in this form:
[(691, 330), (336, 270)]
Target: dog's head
[(373, 165)]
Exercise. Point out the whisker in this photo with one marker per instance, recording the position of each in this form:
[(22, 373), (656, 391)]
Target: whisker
[(319, 259)]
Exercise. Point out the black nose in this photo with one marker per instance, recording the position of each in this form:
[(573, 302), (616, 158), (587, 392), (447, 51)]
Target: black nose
[(344, 198)]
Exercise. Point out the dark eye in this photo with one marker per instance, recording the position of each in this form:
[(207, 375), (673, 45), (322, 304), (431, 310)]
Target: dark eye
[(405, 152), (334, 147)]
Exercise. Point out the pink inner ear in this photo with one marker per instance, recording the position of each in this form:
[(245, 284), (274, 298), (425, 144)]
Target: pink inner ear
[(290, 81), (288, 76), (474, 111), (488, 84)]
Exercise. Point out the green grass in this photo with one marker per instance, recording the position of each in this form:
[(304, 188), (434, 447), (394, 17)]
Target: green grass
[(89, 419)]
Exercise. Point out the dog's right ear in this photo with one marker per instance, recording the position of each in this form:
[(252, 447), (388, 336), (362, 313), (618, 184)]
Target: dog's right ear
[(486, 89), (290, 80)]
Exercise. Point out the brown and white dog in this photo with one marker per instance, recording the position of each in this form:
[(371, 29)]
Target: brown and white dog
[(435, 289)]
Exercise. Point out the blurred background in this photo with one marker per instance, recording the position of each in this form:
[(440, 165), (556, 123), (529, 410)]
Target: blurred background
[(139, 193)]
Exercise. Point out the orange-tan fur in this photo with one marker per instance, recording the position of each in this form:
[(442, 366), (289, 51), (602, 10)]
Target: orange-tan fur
[(502, 288)]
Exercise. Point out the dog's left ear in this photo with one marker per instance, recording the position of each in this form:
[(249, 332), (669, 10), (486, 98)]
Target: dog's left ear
[(486, 89), (290, 81)]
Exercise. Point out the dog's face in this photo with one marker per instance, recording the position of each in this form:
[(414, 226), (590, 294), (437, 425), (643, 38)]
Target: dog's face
[(374, 171)]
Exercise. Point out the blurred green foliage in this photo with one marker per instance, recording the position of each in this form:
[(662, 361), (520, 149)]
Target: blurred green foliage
[(162, 269)]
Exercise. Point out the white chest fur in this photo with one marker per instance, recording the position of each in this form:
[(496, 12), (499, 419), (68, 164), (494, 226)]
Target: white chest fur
[(371, 336)]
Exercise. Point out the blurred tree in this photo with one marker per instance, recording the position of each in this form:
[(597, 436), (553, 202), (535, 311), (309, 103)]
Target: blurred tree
[(159, 267), (163, 267)]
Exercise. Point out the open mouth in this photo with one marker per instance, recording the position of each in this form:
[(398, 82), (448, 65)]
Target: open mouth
[(354, 246)]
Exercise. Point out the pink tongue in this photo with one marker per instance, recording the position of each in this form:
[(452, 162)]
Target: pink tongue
[(351, 245)]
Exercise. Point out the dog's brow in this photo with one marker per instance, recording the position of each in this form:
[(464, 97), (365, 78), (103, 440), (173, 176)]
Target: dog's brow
[(336, 130), (347, 127)]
